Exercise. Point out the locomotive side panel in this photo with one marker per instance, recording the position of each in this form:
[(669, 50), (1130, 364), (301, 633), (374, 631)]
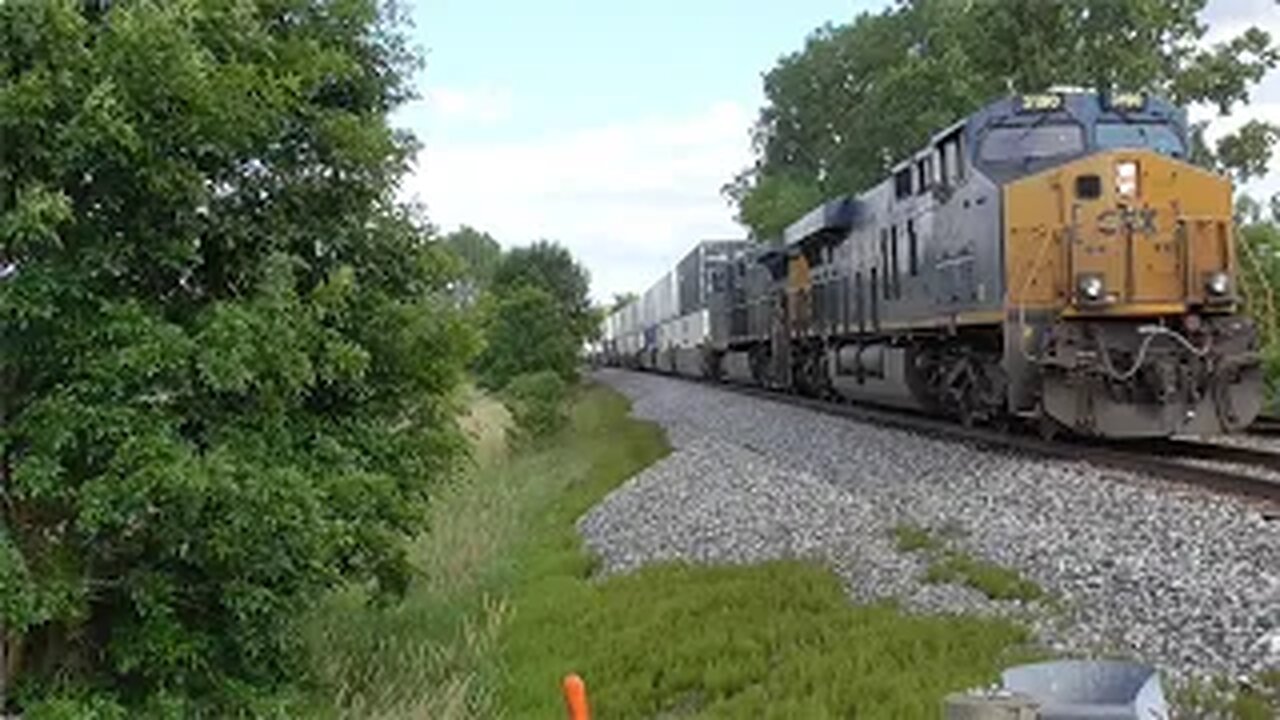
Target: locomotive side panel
[(967, 285), (928, 255)]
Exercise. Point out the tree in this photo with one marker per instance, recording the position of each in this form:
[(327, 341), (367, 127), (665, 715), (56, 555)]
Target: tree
[(1259, 278), (862, 96), (1246, 153), (527, 331), (550, 267), (771, 202), (226, 355), (479, 252)]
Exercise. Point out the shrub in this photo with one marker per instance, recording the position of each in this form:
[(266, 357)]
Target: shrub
[(537, 403), (550, 267), (526, 331)]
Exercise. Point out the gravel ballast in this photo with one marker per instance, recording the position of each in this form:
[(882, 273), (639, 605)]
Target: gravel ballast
[(1134, 566)]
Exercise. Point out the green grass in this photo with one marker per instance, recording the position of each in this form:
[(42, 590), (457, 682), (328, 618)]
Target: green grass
[(775, 640), (910, 538), (1220, 697), (952, 566), (994, 581)]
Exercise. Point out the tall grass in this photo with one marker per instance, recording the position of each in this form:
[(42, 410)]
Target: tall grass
[(437, 654), (433, 655)]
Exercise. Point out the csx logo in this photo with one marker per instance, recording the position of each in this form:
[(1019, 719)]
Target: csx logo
[(1139, 220)]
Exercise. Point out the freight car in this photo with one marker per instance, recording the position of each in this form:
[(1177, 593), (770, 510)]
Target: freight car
[(668, 327), (1051, 259)]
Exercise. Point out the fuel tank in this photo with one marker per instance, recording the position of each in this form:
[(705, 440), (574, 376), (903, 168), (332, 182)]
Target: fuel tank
[(877, 373)]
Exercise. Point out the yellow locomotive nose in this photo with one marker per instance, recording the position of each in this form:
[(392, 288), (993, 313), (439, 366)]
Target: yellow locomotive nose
[(1126, 257), (1145, 235)]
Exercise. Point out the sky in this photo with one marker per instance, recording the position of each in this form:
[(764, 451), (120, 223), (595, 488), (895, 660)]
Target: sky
[(610, 127)]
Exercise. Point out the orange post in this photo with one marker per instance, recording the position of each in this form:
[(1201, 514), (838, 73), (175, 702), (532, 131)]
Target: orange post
[(575, 698)]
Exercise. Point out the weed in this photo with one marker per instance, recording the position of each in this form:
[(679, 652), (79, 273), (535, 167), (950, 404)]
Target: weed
[(952, 566), (911, 538), (994, 581), (1221, 697)]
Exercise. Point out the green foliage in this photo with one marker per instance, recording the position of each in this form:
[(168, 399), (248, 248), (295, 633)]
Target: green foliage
[(1259, 250), (772, 202), (480, 255), (861, 96), (621, 300), (537, 403), (1247, 152), (227, 359), (550, 267), (526, 331), (536, 317)]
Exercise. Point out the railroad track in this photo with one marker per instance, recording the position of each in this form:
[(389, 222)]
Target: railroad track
[(1165, 459), (1265, 425)]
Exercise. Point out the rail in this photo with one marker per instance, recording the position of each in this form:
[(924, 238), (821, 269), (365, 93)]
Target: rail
[(1265, 425), (1166, 459)]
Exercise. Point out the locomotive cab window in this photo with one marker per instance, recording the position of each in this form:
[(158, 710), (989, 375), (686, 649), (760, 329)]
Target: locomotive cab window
[(924, 175), (902, 183), (1159, 137), (1021, 144), (950, 159)]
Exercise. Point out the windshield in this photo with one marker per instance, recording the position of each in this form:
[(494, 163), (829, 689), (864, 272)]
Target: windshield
[(1160, 138), (1004, 144)]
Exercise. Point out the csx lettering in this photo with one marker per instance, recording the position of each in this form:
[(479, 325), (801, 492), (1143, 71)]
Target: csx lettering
[(1140, 220)]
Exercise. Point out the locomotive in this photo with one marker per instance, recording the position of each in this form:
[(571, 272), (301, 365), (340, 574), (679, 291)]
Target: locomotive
[(1052, 259)]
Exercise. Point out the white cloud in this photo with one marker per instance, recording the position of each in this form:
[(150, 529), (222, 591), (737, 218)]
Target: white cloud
[(628, 199), (486, 105), (1228, 18)]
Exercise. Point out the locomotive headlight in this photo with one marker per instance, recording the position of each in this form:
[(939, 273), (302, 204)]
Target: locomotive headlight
[(1090, 287), (1127, 178), (1217, 283)]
